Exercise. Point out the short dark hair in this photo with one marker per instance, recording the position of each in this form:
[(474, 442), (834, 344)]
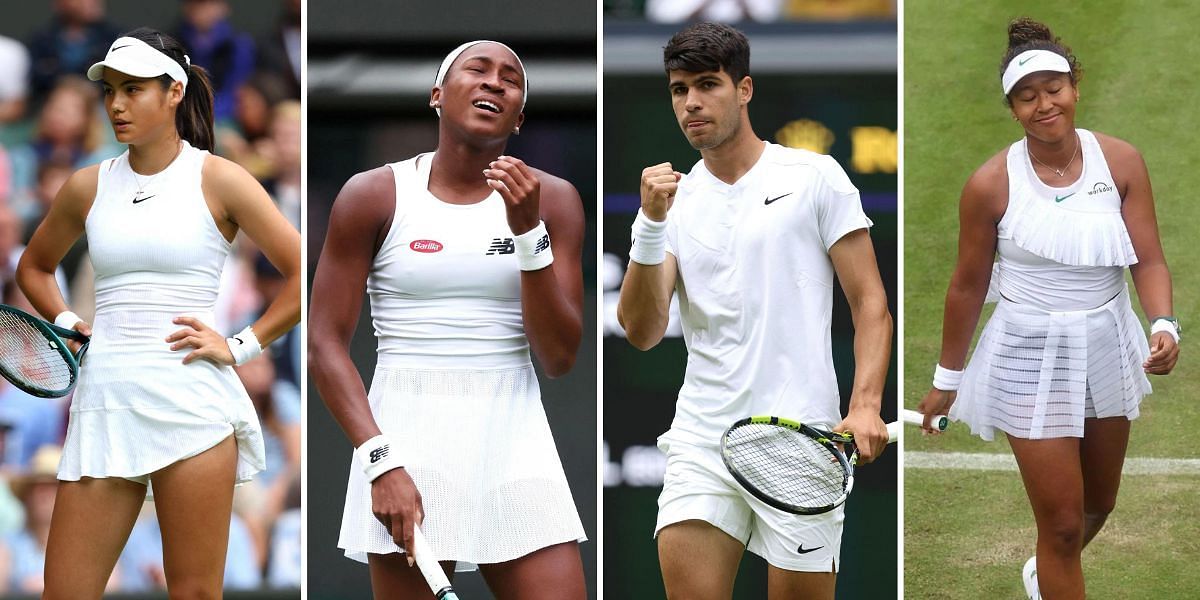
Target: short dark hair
[(704, 47)]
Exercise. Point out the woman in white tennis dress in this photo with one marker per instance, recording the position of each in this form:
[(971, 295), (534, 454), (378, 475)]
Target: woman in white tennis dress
[(1060, 367), (158, 405), (472, 263)]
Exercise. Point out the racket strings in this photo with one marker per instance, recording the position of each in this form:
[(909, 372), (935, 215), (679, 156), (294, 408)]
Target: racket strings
[(27, 354), (786, 465)]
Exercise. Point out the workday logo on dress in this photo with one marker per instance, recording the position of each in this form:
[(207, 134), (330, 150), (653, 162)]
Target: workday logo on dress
[(1100, 188)]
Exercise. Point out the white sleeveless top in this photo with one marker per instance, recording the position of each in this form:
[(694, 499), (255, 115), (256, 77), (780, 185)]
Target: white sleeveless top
[(445, 286), (1062, 248)]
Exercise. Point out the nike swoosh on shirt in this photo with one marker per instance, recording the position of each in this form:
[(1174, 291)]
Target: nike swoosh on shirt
[(770, 200), (1060, 199)]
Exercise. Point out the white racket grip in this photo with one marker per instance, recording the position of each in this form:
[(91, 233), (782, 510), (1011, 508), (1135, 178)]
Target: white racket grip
[(912, 417), (434, 576), (893, 429)]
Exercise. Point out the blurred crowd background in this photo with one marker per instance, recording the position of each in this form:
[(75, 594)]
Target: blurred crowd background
[(52, 122), (824, 76)]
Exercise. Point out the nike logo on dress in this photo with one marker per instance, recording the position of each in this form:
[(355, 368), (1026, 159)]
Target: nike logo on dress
[(801, 549), (1061, 198), (136, 199), (770, 200)]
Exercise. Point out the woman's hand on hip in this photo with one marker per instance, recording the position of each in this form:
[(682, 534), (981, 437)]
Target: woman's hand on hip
[(207, 343), (396, 502)]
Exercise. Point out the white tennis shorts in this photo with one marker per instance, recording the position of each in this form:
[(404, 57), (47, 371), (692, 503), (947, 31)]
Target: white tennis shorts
[(698, 486)]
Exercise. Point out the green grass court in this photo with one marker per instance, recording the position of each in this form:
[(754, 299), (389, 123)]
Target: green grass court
[(967, 533)]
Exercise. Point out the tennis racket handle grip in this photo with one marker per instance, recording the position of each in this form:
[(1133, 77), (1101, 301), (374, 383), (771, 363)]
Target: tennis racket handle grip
[(912, 417), (893, 430), (427, 562)]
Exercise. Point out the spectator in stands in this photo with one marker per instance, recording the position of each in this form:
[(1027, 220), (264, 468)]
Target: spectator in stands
[(14, 80), (724, 11), (227, 54), (246, 140), (285, 142), (280, 52), (77, 36)]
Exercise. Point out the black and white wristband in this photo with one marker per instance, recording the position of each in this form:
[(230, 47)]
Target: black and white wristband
[(377, 457), (649, 241), (244, 346), (533, 248), (945, 379)]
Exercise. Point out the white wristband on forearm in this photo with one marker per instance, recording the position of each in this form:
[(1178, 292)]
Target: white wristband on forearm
[(67, 319), (244, 346), (945, 379), (533, 248), (649, 241), (377, 457), (1155, 327)]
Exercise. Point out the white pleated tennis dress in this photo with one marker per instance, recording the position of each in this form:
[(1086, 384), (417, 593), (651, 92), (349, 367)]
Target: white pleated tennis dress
[(158, 255), (1064, 343), (454, 387)]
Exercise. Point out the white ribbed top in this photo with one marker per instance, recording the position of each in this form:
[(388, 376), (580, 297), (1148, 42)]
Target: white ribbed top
[(445, 287), (155, 259), (1062, 248)]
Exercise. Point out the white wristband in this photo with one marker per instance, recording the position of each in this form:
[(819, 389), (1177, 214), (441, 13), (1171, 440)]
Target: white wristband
[(1155, 327), (67, 319), (649, 241), (945, 379), (244, 346), (533, 248), (377, 457)]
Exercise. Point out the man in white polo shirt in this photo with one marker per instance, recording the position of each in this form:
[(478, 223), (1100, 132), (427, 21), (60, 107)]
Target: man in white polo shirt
[(751, 240)]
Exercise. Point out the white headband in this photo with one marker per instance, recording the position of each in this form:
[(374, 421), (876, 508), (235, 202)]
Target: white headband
[(1032, 61), (132, 56), (449, 60)]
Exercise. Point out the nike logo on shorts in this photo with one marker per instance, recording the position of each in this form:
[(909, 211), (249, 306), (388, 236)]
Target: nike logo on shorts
[(801, 549)]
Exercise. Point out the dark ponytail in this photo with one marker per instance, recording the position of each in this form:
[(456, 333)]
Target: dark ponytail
[(194, 116), (1026, 34)]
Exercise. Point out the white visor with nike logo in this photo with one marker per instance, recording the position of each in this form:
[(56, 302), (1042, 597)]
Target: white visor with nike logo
[(132, 56), (1032, 61)]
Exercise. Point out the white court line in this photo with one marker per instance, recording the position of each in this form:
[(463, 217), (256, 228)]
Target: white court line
[(1005, 462)]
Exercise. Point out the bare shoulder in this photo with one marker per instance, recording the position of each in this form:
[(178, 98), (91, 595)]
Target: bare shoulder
[(1116, 150), (222, 175), (558, 196), (987, 187), (367, 193), (79, 191)]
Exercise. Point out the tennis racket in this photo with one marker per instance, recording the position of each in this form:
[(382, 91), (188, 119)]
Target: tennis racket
[(912, 417), (34, 355), (434, 575), (791, 466)]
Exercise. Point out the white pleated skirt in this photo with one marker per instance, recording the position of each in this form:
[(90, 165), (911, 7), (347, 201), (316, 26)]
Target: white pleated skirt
[(137, 408), (1037, 374), (479, 449)]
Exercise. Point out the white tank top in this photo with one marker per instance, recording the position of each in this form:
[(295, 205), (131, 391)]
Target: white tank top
[(445, 286), (157, 252), (1062, 248)]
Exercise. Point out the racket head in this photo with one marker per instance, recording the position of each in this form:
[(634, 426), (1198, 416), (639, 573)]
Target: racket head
[(34, 356), (789, 465)]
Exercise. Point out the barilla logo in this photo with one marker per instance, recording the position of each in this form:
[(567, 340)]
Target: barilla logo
[(426, 246), (1100, 188)]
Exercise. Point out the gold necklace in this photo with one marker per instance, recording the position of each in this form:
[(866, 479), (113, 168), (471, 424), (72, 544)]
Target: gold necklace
[(1056, 171)]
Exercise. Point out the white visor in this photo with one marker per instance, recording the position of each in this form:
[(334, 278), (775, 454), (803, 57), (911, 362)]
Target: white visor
[(449, 60), (132, 56), (1032, 61)]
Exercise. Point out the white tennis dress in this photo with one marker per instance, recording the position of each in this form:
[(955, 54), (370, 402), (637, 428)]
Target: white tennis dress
[(1064, 343), (157, 255), (454, 387)]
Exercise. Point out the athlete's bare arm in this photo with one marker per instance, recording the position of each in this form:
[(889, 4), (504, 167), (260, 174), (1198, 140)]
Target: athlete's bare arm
[(853, 259), (551, 298), (645, 299), (984, 200), (358, 223)]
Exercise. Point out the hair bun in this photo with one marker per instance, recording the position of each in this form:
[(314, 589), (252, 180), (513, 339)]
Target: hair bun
[(1025, 30)]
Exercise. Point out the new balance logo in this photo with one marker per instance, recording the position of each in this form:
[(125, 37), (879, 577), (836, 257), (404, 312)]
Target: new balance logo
[(542, 244), (504, 246), (379, 454)]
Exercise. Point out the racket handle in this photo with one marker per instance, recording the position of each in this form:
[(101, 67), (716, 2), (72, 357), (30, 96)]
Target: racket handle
[(434, 576), (912, 417), (893, 430)]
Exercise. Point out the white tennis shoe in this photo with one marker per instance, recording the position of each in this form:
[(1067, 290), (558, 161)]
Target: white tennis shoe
[(1029, 577)]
